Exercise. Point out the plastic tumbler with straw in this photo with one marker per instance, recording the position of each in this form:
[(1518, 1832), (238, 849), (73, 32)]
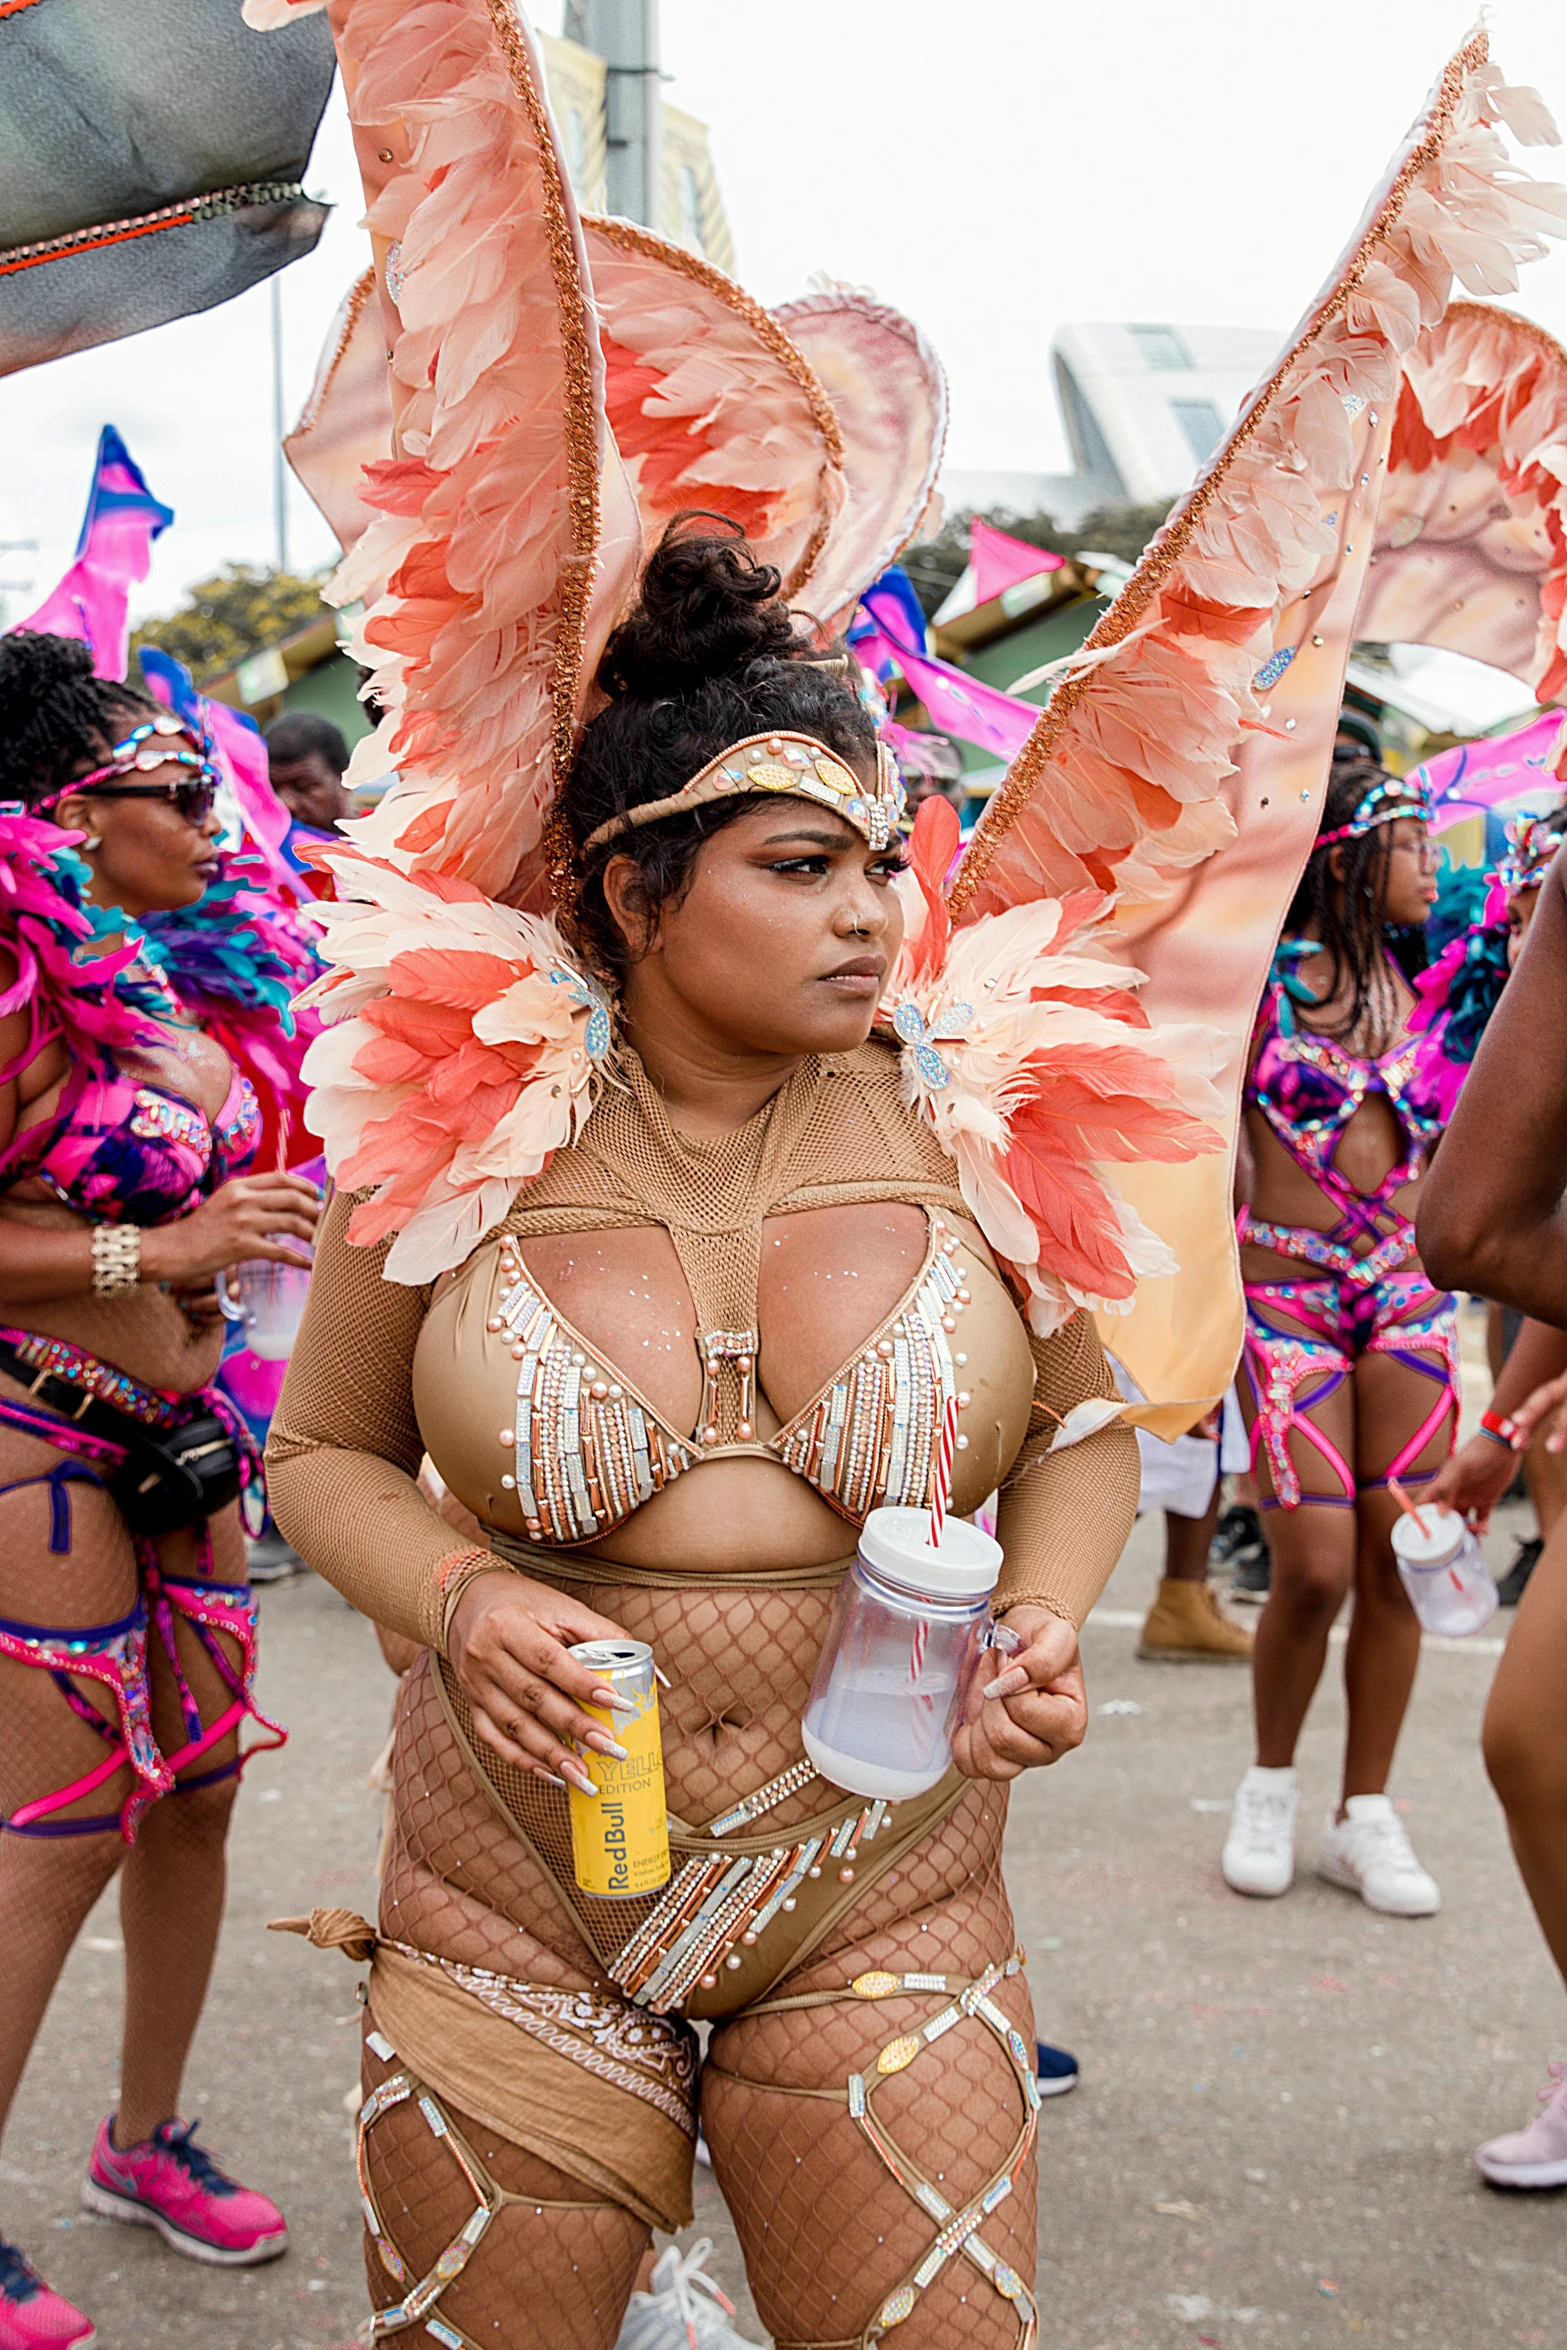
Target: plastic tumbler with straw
[(908, 1628), (1441, 1567)]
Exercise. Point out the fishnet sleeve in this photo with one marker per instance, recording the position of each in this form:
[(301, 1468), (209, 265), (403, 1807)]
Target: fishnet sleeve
[(1065, 1516), (343, 1456)]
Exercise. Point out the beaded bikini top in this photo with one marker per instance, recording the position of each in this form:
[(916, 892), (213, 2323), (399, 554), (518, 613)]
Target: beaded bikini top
[(122, 1152), (590, 1450)]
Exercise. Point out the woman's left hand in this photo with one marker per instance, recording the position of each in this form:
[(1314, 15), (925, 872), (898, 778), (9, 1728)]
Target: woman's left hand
[(1032, 1708)]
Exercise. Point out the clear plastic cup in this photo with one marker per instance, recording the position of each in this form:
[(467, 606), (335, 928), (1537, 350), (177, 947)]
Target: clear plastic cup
[(908, 1628), (1448, 1582), (267, 1299)]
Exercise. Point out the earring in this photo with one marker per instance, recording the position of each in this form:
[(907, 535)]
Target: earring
[(91, 841)]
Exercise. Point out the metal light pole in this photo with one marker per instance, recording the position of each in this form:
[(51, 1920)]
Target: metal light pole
[(279, 462), (625, 35)]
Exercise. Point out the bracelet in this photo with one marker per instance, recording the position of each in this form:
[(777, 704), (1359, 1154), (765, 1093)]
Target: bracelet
[(1502, 1430), (1004, 1602), (453, 1576), (116, 1258)]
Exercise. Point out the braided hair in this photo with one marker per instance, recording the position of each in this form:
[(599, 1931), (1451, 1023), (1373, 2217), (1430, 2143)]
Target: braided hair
[(708, 656), (57, 718), (1346, 911)]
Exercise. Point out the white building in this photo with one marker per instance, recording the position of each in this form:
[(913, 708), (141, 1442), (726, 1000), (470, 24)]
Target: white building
[(1143, 407)]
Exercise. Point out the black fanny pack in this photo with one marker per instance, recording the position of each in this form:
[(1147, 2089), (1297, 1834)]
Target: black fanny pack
[(170, 1477)]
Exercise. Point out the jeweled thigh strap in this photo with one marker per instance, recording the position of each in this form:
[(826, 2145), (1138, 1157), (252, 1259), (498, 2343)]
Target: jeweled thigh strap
[(957, 2228), (418, 2304)]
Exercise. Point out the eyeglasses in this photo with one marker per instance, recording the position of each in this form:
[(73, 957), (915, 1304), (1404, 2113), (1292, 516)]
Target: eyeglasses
[(193, 797)]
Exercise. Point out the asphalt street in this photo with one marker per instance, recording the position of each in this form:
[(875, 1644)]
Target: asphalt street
[(1272, 2141)]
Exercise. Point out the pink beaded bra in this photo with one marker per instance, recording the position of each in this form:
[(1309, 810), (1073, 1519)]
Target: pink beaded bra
[(121, 1152)]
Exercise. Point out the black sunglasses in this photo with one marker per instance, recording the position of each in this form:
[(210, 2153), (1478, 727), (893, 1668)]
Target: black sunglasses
[(194, 797)]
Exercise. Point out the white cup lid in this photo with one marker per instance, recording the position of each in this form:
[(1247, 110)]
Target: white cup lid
[(896, 1542), (1443, 1540)]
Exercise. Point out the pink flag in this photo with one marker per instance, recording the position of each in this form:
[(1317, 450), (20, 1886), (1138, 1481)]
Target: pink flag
[(959, 704), (115, 548), (1002, 562)]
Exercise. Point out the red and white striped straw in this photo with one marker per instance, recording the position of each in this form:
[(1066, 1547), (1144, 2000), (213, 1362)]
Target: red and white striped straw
[(945, 1453), (285, 1128)]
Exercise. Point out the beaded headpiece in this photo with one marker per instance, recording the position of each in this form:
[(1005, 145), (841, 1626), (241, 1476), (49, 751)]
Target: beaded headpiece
[(146, 748), (1532, 841), (796, 766), (1384, 801)]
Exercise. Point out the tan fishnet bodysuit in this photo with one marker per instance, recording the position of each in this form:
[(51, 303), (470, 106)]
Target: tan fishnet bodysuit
[(829, 2232)]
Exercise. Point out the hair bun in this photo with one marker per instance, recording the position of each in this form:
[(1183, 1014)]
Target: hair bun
[(33, 667), (705, 608)]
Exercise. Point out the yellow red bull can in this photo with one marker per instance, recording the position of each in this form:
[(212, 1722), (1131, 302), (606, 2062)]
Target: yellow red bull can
[(620, 1837)]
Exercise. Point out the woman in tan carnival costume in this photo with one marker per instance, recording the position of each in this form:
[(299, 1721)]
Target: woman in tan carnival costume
[(772, 1284)]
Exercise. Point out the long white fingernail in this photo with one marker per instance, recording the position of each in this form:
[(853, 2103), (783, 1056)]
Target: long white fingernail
[(613, 1699), (580, 1780), (602, 1743), (1008, 1685)]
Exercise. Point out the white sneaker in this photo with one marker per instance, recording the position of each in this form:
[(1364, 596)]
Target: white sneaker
[(672, 2318), (1259, 1851), (1368, 1853)]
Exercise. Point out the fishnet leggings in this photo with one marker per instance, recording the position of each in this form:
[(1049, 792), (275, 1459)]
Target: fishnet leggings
[(827, 2233), (172, 1880)]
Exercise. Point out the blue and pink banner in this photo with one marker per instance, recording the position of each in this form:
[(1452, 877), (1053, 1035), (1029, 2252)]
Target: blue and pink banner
[(114, 550)]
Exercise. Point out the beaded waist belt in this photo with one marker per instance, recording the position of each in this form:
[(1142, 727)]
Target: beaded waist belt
[(58, 1358)]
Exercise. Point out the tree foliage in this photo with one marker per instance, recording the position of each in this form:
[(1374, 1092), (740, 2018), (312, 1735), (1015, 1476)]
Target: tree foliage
[(936, 566), (239, 611)]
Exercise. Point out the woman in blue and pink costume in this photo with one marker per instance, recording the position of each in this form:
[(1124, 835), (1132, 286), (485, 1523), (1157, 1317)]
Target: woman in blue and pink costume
[(127, 1632), (1350, 1372)]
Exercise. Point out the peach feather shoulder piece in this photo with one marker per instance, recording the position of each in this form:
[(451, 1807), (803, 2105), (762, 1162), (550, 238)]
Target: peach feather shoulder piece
[(1181, 760), (460, 1051), (1026, 1051)]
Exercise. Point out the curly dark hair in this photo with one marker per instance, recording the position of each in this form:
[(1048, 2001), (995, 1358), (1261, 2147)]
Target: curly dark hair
[(57, 718), (1346, 910), (708, 656)]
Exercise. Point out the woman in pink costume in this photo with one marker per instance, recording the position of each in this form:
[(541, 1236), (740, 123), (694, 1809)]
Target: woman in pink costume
[(127, 1632), (1350, 1371)]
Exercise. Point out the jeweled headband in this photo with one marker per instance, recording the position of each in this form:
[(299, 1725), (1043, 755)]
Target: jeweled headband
[(1532, 841), (1390, 797), (794, 765), (142, 751)]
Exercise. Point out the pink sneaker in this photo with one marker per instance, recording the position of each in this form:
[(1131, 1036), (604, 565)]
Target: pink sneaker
[(1537, 2156), (33, 2318), (171, 2184)]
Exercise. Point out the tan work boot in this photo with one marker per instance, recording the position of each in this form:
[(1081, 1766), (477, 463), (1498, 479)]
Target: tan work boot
[(1186, 1625)]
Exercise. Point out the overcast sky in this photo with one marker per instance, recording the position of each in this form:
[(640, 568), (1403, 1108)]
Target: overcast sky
[(994, 168)]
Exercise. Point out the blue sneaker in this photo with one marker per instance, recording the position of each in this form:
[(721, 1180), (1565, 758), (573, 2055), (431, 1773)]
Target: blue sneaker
[(1054, 2069)]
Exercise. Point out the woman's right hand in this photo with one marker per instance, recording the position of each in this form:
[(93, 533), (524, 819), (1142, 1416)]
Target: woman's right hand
[(252, 1216), (508, 1642), (1473, 1480)]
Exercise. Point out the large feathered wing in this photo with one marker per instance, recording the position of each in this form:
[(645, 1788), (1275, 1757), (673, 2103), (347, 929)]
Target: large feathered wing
[(1471, 534), (710, 402), (889, 394), (1234, 631), (502, 545)]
